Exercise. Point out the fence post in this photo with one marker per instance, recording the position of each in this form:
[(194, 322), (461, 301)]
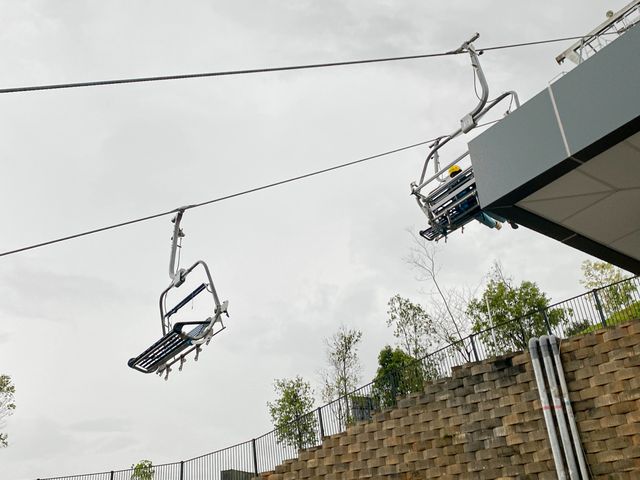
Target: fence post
[(321, 423), (603, 320), (299, 433), (111, 476), (255, 456), (182, 470), (546, 321), (473, 347), (525, 340)]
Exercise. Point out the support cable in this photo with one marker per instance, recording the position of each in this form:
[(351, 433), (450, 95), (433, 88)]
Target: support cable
[(99, 83), (215, 200)]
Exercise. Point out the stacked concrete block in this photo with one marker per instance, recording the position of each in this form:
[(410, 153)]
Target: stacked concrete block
[(485, 422)]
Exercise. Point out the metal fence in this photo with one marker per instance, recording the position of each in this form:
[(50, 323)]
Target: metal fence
[(610, 305)]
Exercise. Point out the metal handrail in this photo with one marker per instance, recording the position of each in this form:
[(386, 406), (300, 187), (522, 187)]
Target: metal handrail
[(577, 52)]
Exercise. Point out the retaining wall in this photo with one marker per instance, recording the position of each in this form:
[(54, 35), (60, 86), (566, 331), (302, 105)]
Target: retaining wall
[(486, 422)]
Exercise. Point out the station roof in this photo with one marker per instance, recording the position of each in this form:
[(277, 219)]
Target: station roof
[(567, 162)]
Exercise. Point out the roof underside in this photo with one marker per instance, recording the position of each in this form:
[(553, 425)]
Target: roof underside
[(599, 200)]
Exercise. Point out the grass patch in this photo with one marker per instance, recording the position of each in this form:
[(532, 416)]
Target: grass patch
[(631, 312)]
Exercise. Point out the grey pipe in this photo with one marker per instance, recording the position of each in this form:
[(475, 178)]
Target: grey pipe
[(584, 471), (556, 398), (548, 417)]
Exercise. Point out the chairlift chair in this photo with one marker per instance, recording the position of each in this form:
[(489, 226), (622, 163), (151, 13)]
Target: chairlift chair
[(451, 206), (453, 202), (182, 338)]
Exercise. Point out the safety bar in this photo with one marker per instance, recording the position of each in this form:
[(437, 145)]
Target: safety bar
[(185, 272), (186, 300)]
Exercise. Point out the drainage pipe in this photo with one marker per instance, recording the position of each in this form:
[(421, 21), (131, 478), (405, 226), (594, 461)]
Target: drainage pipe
[(544, 400), (553, 340), (556, 398)]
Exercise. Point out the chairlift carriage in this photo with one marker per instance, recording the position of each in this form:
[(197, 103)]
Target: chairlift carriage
[(452, 202), (184, 337)]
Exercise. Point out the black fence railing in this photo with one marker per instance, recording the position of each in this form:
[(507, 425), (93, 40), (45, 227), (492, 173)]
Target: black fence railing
[(607, 306)]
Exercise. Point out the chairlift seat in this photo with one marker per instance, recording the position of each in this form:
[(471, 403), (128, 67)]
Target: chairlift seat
[(176, 340), (168, 348), (451, 206)]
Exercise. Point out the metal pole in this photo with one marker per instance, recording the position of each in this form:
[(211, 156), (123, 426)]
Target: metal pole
[(524, 334), (111, 476), (299, 431), (255, 456), (603, 320), (182, 470), (493, 330), (546, 321), (321, 423), (473, 347)]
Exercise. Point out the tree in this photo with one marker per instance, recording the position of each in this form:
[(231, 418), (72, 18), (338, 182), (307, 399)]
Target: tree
[(597, 275), (507, 316), (143, 470), (415, 331), (447, 307), (412, 326), (7, 404), (291, 413), (343, 373), (398, 374)]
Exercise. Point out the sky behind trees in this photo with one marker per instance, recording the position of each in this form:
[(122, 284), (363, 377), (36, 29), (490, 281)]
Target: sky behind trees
[(294, 262)]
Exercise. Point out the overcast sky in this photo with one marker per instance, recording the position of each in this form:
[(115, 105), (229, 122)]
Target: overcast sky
[(294, 262)]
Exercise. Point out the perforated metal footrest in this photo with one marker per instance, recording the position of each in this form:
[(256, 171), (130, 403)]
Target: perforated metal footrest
[(166, 349), (430, 234)]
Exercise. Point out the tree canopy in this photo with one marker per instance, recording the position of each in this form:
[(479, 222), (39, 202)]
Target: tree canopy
[(7, 404), (343, 372), (294, 425), (143, 470), (398, 374), (597, 275), (514, 312), (412, 326)]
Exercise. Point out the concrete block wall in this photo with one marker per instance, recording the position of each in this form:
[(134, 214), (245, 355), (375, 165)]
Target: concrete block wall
[(486, 422)]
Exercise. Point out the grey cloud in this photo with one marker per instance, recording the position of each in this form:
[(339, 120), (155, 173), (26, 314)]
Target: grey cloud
[(100, 425), (37, 293)]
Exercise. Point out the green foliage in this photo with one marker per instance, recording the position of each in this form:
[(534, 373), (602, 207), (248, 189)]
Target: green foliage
[(7, 404), (580, 327), (294, 426), (343, 372), (515, 312), (601, 274), (413, 327), (143, 470), (626, 314), (398, 374)]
